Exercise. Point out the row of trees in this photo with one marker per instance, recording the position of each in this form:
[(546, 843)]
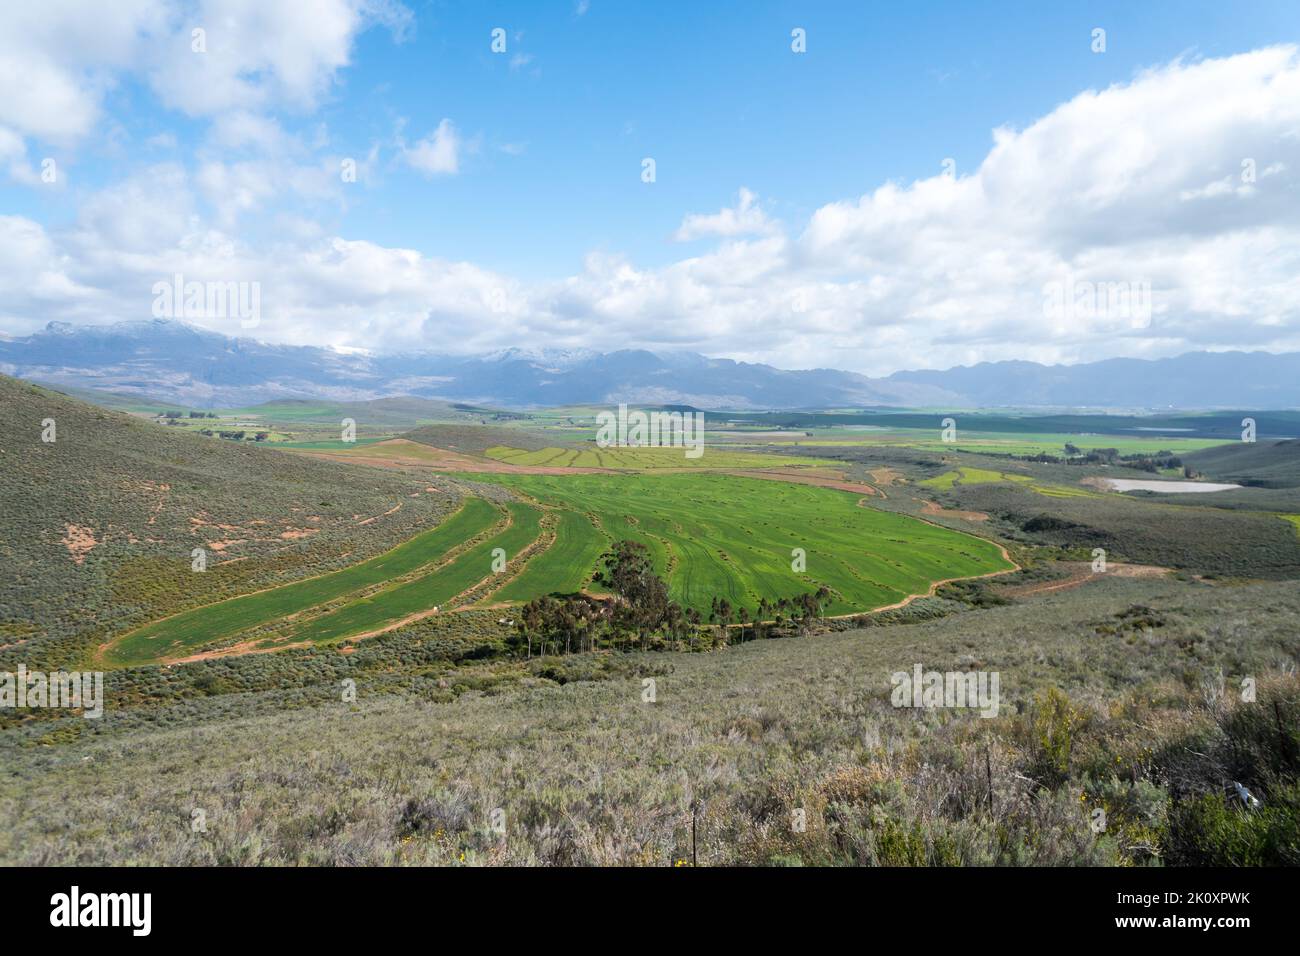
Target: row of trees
[(640, 613), (234, 435)]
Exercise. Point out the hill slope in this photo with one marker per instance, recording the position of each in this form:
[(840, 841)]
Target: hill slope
[(99, 525), (1261, 464)]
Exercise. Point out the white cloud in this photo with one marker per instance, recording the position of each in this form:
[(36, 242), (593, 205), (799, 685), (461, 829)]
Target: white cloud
[(261, 55), (60, 58), (13, 158), (746, 218), (1140, 182), (436, 154), (1098, 189)]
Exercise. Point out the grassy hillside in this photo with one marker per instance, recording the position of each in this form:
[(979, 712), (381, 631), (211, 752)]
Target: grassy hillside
[(99, 525), (1264, 464), (1121, 697), (1119, 692)]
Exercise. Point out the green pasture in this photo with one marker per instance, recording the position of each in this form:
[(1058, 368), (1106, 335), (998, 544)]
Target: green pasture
[(175, 635), (428, 591), (641, 459), (565, 566), (1005, 443), (732, 537)]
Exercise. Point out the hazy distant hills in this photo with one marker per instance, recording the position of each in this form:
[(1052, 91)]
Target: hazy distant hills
[(1194, 380), (179, 362)]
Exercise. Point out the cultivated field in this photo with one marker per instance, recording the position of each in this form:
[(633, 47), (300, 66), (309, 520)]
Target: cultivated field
[(725, 536), (633, 459), (175, 636)]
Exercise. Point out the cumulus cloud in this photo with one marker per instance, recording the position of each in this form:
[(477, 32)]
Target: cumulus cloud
[(1113, 186), (1143, 185), (60, 58), (438, 153), (257, 55), (745, 218)]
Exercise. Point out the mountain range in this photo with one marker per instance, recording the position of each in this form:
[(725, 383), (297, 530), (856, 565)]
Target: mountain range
[(178, 362)]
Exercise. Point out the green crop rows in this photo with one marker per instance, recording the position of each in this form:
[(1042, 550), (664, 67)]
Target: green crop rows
[(731, 537), (174, 635), (429, 591)]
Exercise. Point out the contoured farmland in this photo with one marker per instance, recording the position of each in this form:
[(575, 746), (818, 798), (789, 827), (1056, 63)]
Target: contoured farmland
[(728, 536)]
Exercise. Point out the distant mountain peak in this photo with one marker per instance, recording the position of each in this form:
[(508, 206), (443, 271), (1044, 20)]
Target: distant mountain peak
[(185, 363)]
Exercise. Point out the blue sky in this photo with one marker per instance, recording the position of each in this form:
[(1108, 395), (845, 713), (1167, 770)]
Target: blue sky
[(548, 140)]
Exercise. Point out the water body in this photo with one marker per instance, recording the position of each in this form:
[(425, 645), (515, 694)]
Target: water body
[(1165, 487)]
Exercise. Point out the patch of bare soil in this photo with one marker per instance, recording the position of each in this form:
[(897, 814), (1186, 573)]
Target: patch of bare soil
[(886, 476), (150, 488), (931, 508), (79, 540), (200, 520), (235, 650)]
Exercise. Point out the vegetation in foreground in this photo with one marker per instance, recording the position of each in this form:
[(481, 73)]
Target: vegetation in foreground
[(1126, 701)]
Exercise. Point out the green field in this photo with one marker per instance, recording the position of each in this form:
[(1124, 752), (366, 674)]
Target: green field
[(997, 443), (565, 566), (638, 459), (428, 591), (967, 476), (173, 636), (730, 537), (711, 536)]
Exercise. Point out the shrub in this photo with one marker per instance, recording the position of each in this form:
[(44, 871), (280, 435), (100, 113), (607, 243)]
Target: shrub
[(1211, 831)]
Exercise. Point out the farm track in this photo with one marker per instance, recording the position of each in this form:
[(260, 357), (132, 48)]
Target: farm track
[(1081, 573), (328, 623), (266, 642), (469, 513), (429, 594)]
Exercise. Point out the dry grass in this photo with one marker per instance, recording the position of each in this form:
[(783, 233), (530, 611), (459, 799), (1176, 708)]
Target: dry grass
[(588, 773)]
